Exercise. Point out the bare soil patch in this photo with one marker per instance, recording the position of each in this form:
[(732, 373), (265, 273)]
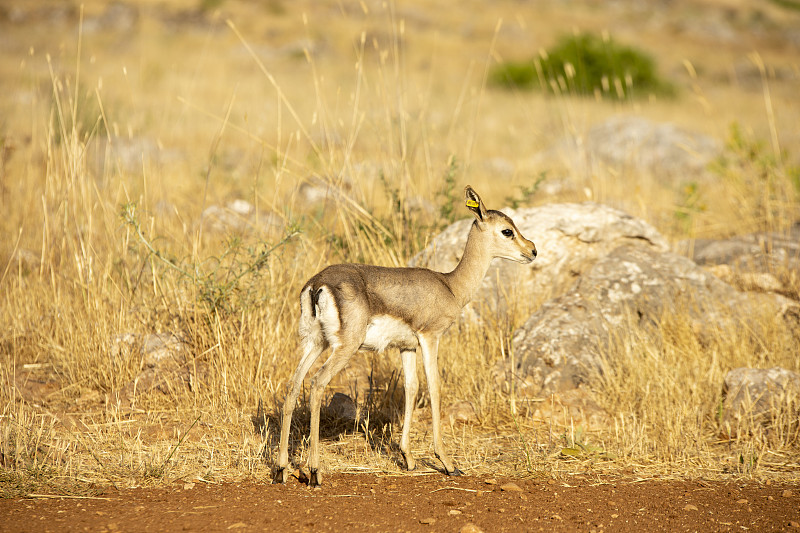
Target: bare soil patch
[(429, 502)]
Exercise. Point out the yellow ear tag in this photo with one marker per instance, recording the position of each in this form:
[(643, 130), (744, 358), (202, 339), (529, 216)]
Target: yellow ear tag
[(473, 203)]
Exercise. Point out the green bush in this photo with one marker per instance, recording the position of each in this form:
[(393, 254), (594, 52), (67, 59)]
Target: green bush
[(585, 64)]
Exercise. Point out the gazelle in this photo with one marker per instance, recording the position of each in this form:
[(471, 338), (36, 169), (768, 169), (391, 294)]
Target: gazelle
[(352, 307)]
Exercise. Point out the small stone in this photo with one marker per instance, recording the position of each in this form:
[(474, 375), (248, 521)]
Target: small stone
[(490, 481), (771, 498), (469, 527), (794, 524), (510, 487), (556, 517), (462, 411), (189, 485), (428, 521), (743, 500), (787, 493), (689, 507), (454, 512), (343, 407), (615, 515)]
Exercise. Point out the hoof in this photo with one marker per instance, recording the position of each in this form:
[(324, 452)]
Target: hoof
[(281, 476), (455, 472), (314, 478)]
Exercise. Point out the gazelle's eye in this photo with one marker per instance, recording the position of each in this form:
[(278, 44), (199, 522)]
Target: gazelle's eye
[(507, 232)]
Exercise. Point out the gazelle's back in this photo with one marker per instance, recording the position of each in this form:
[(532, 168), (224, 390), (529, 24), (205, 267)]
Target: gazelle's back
[(419, 297)]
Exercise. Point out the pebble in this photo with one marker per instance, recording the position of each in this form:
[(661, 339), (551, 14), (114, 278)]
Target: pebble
[(428, 521), (510, 487), (469, 527), (787, 493), (689, 507)]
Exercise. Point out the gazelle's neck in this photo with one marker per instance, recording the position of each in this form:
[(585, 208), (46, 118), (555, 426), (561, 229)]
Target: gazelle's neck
[(465, 279)]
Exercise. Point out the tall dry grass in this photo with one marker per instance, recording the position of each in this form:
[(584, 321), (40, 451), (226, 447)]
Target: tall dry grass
[(95, 247)]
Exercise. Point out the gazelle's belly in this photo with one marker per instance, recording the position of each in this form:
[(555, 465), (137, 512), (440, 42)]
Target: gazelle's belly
[(384, 331)]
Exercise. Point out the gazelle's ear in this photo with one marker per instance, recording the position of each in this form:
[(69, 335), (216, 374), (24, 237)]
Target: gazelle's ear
[(474, 203)]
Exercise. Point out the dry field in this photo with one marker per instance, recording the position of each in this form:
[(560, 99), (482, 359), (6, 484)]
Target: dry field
[(127, 130)]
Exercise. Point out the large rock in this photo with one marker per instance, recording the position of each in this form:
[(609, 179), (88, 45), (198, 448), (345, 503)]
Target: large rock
[(636, 144), (758, 398), (165, 363), (109, 155), (569, 238), (764, 261), (241, 217), (559, 347), (760, 251)]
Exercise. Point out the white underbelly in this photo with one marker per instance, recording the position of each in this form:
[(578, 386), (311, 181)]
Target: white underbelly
[(385, 331)]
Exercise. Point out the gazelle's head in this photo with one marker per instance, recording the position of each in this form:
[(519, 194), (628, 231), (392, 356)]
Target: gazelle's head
[(499, 231)]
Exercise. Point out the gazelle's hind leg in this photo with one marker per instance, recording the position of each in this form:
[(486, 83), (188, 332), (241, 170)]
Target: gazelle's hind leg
[(311, 353), (338, 359), (314, 343), (409, 358)]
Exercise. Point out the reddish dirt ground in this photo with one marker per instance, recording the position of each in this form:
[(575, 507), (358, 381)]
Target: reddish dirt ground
[(420, 503)]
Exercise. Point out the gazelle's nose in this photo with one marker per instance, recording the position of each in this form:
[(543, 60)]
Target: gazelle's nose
[(533, 252)]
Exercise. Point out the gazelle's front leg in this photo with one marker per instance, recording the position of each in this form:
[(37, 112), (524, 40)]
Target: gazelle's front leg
[(430, 356), (411, 386)]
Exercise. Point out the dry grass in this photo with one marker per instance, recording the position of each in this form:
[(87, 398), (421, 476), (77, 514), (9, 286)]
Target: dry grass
[(94, 245), (665, 390)]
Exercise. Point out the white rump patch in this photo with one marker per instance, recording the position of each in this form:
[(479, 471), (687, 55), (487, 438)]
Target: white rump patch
[(384, 331), (328, 316)]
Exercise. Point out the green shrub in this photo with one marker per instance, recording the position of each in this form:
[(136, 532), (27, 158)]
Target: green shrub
[(585, 64), (788, 4)]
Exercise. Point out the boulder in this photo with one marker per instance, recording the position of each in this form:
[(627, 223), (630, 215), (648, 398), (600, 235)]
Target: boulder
[(763, 261), (164, 362), (759, 398), (569, 238), (109, 155), (629, 143), (755, 251), (560, 346), (318, 191), (242, 217)]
